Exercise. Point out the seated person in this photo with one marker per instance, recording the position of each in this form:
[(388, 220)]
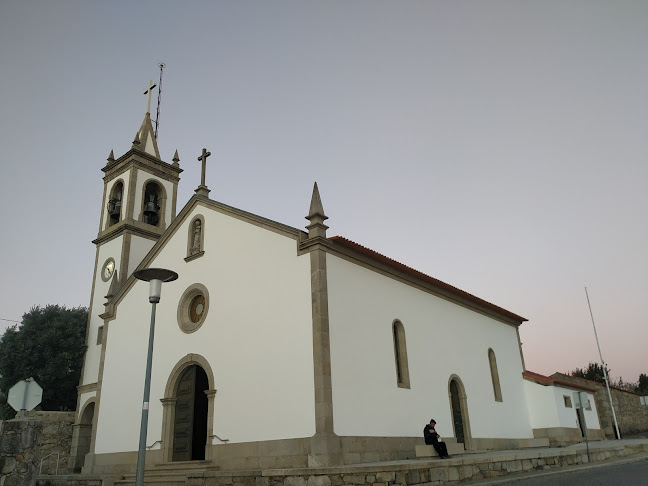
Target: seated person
[(432, 438)]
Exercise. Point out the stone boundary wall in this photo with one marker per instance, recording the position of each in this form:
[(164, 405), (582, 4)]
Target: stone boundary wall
[(23, 443), (407, 473)]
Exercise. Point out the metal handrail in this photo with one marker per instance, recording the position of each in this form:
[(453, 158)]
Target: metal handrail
[(58, 457), (153, 444), (222, 440)]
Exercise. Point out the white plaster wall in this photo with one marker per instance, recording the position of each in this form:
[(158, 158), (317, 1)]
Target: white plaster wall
[(124, 177), (139, 249), (143, 177), (541, 401), (85, 399), (568, 416), (109, 249), (442, 339), (591, 416), (257, 337), (547, 407)]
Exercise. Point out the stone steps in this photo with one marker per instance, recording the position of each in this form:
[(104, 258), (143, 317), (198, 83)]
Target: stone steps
[(425, 451), (169, 474)]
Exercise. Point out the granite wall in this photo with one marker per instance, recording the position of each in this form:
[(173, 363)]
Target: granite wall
[(24, 443)]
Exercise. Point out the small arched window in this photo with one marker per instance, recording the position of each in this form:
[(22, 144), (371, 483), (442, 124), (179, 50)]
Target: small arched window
[(497, 390), (115, 203), (400, 355)]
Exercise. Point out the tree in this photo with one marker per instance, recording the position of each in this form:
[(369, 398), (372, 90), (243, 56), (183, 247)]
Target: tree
[(48, 346), (642, 385), (593, 372)]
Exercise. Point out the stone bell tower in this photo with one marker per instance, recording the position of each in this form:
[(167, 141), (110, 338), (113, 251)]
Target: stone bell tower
[(138, 205), (139, 202)]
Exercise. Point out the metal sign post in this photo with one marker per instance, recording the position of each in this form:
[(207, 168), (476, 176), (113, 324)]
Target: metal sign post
[(582, 401)]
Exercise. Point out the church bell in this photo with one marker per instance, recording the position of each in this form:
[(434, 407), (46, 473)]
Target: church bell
[(114, 208), (151, 209)]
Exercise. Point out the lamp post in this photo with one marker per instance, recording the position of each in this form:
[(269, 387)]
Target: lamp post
[(155, 276)]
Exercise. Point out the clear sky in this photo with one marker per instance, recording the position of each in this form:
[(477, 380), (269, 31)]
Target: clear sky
[(500, 146)]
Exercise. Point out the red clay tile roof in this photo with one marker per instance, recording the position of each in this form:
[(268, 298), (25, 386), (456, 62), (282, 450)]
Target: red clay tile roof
[(554, 381), (339, 240), (597, 383)]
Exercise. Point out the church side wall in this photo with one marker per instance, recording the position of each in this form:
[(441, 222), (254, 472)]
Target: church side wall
[(442, 339), (257, 338), (109, 249)]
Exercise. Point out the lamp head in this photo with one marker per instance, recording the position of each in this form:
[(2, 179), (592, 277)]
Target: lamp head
[(155, 276)]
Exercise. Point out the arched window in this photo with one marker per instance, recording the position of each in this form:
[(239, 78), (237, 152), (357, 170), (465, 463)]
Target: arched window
[(115, 203), (400, 355), (497, 390)]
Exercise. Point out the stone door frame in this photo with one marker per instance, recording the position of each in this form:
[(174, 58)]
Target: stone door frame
[(463, 407), (169, 402)]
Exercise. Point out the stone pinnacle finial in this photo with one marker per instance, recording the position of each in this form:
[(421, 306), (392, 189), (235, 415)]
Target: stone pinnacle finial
[(136, 142), (176, 159), (316, 216), (111, 157)]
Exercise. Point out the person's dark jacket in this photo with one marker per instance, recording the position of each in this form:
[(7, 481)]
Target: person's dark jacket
[(430, 434)]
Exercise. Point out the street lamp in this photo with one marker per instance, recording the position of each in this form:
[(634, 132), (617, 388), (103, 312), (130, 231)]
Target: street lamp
[(155, 276)]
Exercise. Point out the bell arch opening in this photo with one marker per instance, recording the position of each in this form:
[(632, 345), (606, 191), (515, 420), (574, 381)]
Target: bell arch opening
[(114, 206), (153, 204)]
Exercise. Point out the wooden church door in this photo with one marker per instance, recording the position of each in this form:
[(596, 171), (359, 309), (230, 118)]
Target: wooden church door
[(190, 425), (456, 411)]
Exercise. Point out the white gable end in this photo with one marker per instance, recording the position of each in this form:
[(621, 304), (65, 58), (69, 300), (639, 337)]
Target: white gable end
[(257, 336)]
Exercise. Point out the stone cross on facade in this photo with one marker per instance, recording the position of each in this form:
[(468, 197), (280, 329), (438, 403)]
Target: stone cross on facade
[(148, 92), (202, 188)]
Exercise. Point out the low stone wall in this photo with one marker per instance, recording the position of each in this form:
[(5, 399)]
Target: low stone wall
[(411, 474), (24, 443), (403, 473)]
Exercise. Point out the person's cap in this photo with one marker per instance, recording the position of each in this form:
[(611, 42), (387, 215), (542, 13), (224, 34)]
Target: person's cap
[(432, 421)]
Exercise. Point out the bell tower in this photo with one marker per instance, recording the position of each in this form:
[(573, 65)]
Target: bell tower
[(139, 202), (138, 205)]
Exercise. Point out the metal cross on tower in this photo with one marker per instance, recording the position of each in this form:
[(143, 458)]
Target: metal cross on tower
[(148, 92)]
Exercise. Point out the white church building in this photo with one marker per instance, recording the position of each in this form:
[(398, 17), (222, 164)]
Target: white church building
[(279, 347)]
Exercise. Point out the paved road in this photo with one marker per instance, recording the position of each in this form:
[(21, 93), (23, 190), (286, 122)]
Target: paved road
[(631, 474)]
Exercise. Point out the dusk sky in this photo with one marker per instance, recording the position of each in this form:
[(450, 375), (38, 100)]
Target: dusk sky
[(499, 146)]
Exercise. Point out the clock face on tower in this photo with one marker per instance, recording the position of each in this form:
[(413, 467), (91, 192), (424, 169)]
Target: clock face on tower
[(107, 269)]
